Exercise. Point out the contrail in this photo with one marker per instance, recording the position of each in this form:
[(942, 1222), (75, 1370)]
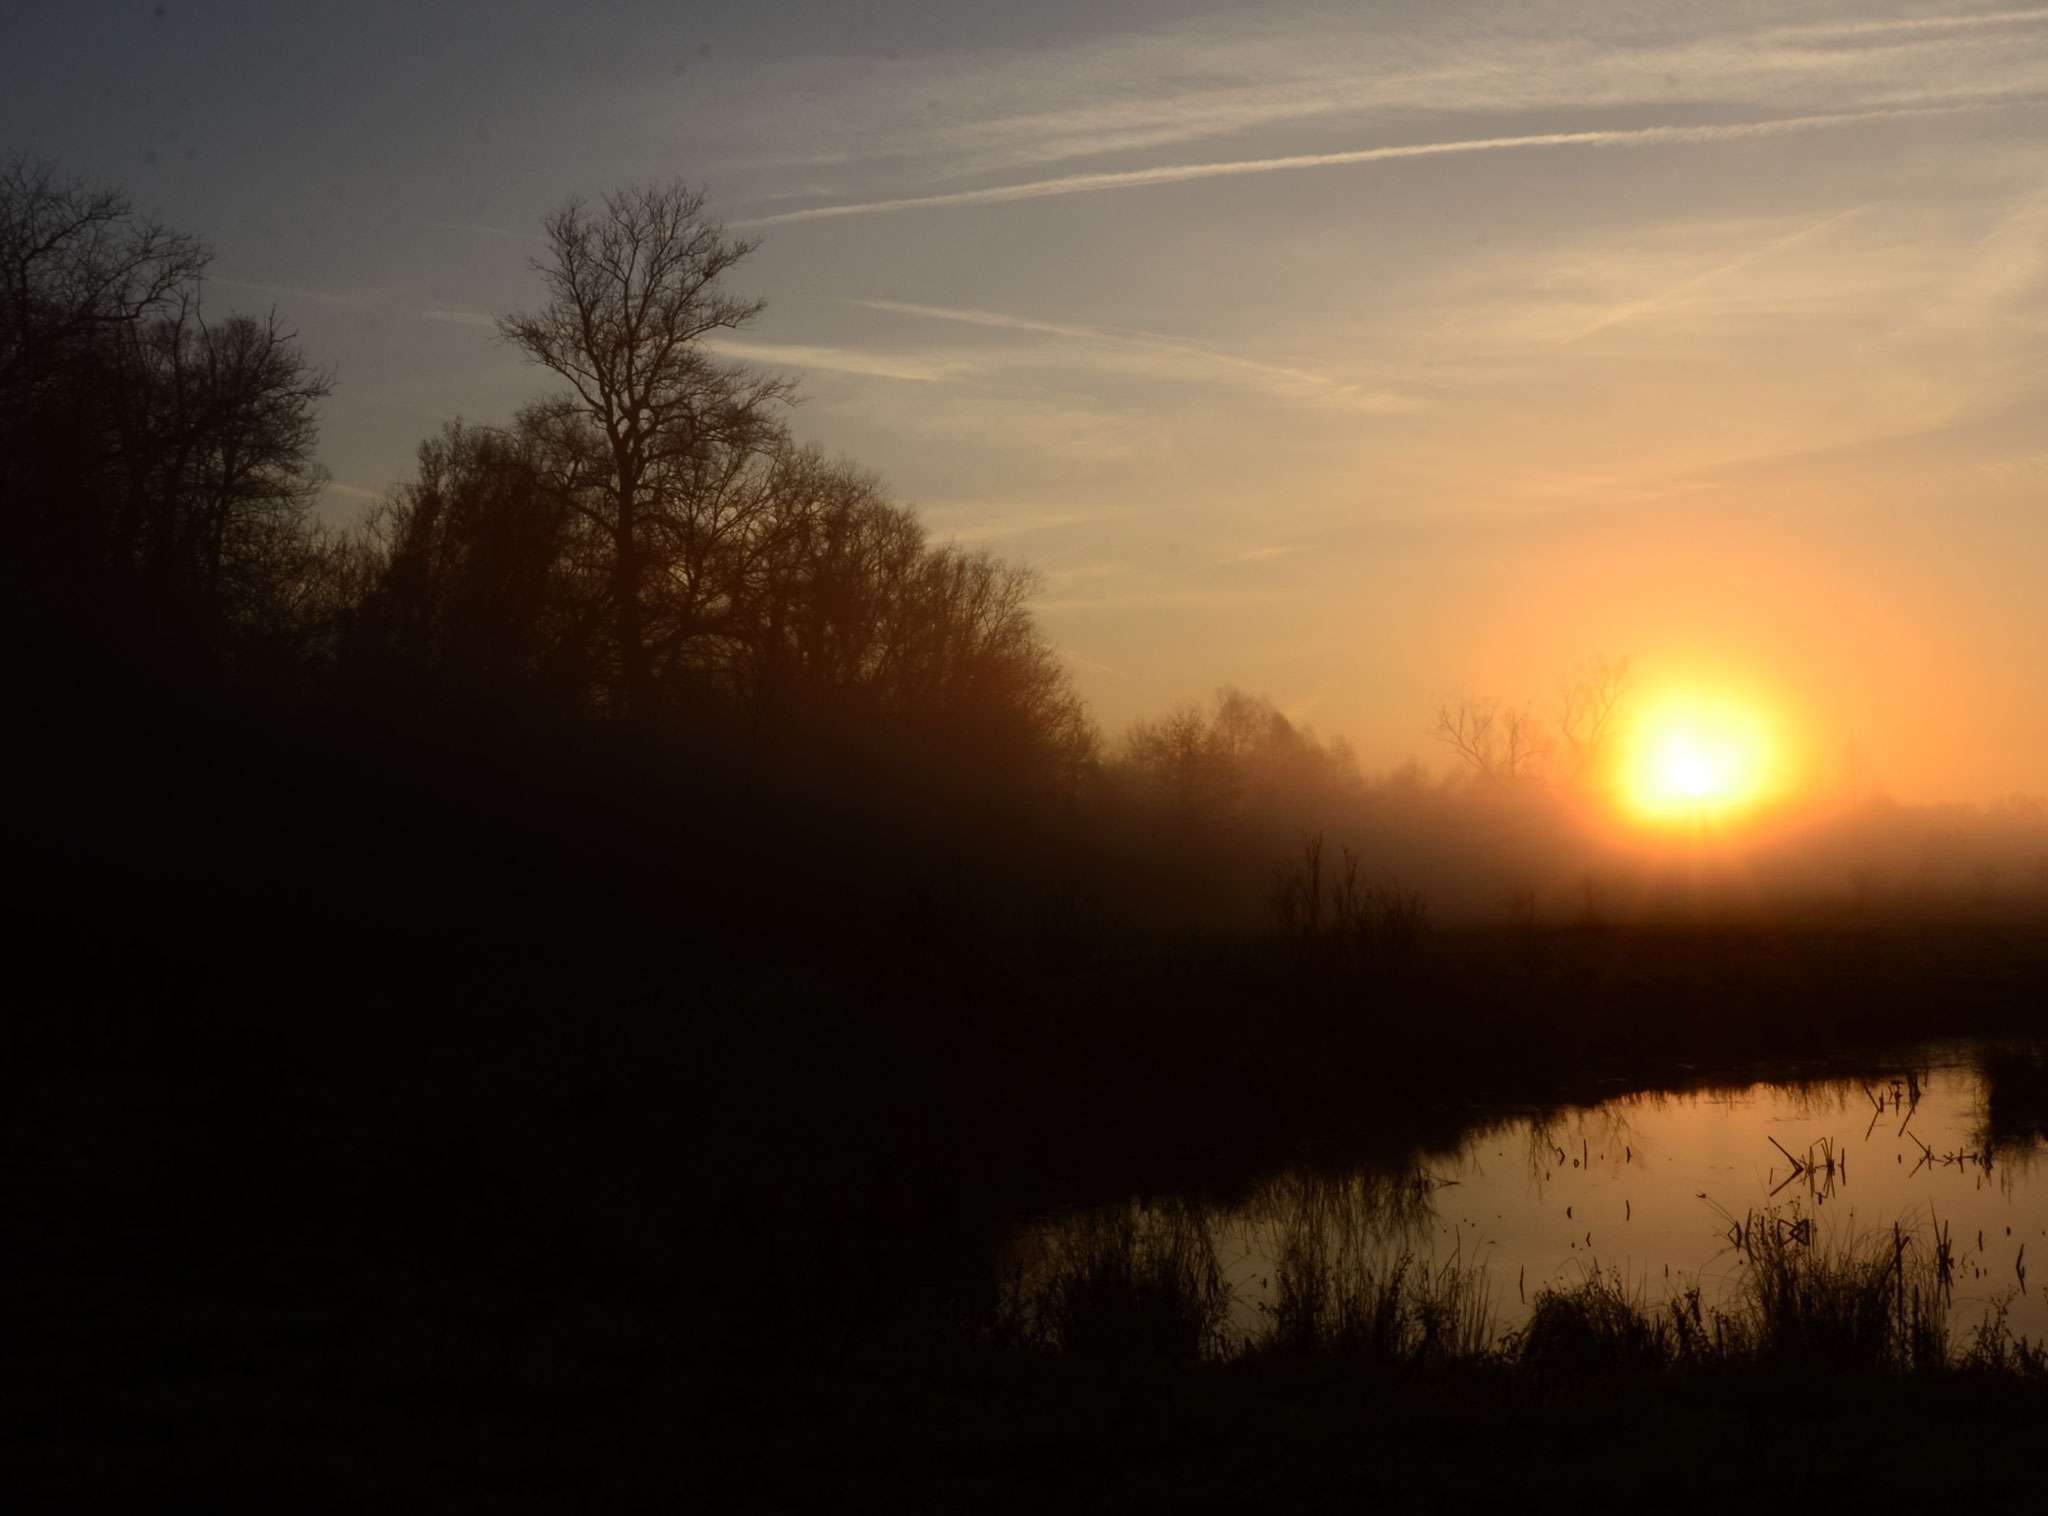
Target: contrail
[(1645, 136), (1686, 286), (1273, 374), (1909, 24)]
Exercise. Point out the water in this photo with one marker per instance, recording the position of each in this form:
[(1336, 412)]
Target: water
[(1655, 1186)]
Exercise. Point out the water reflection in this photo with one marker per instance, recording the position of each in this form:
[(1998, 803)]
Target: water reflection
[(1660, 1193)]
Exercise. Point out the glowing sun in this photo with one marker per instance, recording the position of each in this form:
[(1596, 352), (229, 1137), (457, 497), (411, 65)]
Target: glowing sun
[(1695, 757)]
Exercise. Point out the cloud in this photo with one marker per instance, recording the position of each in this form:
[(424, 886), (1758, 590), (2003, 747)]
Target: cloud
[(363, 302), (321, 297), (1179, 173), (1698, 281), (912, 367), (982, 522), (1223, 599), (997, 111), (1292, 383), (1907, 25), (2014, 468)]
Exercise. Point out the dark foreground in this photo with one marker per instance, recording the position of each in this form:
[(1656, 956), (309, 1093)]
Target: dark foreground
[(134, 1402), (733, 1243)]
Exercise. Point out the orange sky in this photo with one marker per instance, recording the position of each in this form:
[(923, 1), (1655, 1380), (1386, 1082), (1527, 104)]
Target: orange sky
[(1353, 354)]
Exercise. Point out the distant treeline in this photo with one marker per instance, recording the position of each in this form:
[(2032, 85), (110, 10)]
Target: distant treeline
[(635, 662), (648, 540)]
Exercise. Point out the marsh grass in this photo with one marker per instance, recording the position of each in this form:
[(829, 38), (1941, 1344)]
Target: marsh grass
[(1878, 1302), (1146, 1281), (1340, 1289), (1132, 1281), (1994, 1350), (1603, 1325), (1332, 918)]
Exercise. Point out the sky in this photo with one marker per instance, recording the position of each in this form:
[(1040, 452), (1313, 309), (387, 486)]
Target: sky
[(1359, 355)]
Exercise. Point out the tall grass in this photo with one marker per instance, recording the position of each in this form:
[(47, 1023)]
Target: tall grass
[(1339, 1288), (1877, 1301), (1602, 1325), (1880, 1301), (1131, 1281), (1141, 1281), (1331, 918)]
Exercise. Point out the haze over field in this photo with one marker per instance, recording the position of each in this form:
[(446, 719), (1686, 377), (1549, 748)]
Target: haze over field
[(1353, 355)]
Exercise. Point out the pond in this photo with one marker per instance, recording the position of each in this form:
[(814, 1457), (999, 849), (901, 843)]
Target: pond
[(1657, 1189)]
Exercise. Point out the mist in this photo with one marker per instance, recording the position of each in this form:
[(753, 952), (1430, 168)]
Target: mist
[(934, 757)]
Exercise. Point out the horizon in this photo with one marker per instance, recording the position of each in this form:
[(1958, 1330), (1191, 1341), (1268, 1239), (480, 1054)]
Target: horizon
[(1358, 361)]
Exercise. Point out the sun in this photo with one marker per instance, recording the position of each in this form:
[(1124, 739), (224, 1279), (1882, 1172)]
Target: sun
[(1694, 758)]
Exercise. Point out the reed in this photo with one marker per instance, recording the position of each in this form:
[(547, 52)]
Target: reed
[(1126, 1282), (1336, 919), (1879, 1301), (1600, 1326), (1146, 1281), (1341, 1288)]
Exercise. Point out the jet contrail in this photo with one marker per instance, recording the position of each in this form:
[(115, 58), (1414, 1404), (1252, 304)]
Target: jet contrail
[(1645, 136), (1273, 373), (1909, 24)]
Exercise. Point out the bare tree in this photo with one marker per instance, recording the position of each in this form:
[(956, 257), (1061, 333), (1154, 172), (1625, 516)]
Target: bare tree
[(143, 448), (1186, 760), (839, 593), (634, 290), (479, 577), (214, 426), (1496, 741), (1591, 708), (76, 261)]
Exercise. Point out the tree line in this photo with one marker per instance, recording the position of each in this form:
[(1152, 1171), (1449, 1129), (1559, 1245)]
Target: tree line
[(152, 458), (646, 540), (638, 608)]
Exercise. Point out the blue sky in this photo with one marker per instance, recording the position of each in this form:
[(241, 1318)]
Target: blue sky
[(1352, 353)]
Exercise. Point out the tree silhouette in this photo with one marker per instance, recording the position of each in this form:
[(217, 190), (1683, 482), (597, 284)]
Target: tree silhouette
[(655, 432), (214, 427), (1496, 741), (76, 262), (161, 457), (1591, 707), (479, 584)]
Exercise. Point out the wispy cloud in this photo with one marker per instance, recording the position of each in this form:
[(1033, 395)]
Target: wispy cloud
[(1180, 173), (1271, 377), (454, 317), (1220, 599), (363, 302), (320, 297), (998, 111), (1896, 26), (912, 367), (1679, 291), (2015, 468), (982, 522)]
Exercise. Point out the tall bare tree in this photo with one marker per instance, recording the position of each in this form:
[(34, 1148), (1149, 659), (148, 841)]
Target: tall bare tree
[(634, 292)]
